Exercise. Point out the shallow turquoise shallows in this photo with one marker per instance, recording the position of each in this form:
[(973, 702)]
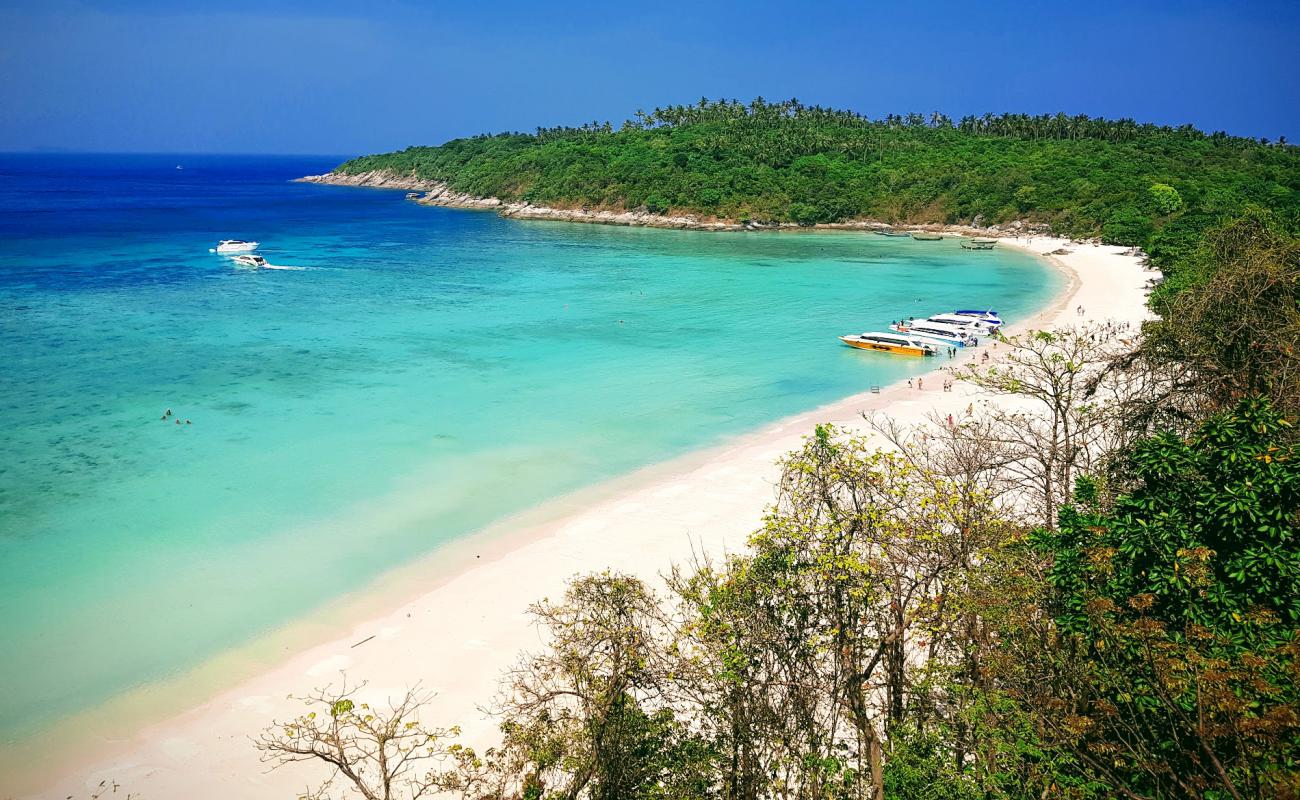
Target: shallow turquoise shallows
[(429, 372)]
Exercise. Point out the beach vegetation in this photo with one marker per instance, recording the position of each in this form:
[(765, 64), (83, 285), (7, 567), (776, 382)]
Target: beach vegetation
[(1233, 314), (379, 752), (1166, 198), (1175, 610), (1070, 423)]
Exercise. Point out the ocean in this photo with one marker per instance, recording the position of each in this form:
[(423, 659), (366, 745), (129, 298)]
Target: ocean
[(428, 371)]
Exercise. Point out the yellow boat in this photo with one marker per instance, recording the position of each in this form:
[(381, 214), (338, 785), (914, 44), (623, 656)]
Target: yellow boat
[(889, 343)]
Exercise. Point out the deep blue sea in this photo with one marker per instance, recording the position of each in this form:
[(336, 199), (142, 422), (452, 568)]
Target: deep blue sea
[(429, 371)]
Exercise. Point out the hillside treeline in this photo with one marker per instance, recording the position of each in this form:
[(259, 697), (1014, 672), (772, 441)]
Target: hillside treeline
[(1153, 186)]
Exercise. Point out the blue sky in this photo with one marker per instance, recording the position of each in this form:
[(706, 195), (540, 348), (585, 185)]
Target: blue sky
[(344, 78)]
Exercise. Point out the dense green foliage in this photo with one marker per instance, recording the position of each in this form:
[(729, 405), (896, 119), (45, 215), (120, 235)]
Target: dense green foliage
[(1231, 311), (787, 162), (1178, 603)]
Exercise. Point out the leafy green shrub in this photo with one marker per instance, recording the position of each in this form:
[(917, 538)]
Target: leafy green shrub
[(656, 204), (804, 214), (1180, 602), (1166, 198), (1128, 227)]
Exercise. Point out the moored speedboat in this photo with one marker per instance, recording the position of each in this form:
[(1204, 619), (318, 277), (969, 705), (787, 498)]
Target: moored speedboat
[(972, 324), (926, 236), (889, 343), (234, 246), (252, 262), (937, 331), (988, 315)]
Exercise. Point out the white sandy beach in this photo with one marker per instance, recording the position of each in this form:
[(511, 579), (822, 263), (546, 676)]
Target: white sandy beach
[(459, 633)]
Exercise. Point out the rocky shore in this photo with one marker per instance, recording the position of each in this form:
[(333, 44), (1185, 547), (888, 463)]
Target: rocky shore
[(437, 193)]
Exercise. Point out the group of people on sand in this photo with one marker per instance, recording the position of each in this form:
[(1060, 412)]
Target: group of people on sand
[(167, 415), (920, 384), (1110, 330)]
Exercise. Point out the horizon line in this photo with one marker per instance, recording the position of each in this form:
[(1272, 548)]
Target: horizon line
[(58, 151)]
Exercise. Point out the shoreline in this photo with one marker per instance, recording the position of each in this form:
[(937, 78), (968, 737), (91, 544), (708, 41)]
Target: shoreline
[(437, 193), (456, 624)]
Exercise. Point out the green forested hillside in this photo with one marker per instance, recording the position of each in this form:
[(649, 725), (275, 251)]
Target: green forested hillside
[(1131, 183)]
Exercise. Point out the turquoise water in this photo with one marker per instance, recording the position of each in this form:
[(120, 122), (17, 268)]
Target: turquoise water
[(430, 371)]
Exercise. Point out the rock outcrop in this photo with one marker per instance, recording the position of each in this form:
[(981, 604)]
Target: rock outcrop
[(442, 195), (377, 179), (637, 218), (437, 193)]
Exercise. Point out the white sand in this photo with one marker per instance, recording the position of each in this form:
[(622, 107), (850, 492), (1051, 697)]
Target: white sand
[(456, 637)]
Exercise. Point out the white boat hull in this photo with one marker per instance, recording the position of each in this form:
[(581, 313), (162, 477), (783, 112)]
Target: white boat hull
[(242, 247), (959, 341)]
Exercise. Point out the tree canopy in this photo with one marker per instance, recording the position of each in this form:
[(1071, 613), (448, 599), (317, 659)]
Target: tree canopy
[(1132, 183)]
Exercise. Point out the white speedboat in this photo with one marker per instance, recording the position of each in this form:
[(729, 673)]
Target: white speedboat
[(234, 246), (979, 326), (252, 262), (984, 316), (890, 343), (937, 331)]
